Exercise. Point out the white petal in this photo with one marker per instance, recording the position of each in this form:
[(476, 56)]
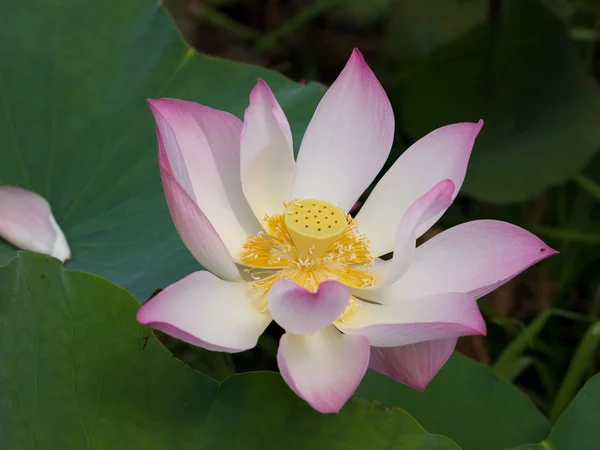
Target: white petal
[(192, 161), (414, 364), (267, 156), (442, 154), (323, 368), (26, 221), (436, 200), (208, 312), (474, 257), (348, 139), (196, 232), (299, 311), (415, 320)]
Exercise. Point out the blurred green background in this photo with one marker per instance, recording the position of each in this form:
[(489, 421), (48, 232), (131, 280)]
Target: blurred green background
[(530, 70)]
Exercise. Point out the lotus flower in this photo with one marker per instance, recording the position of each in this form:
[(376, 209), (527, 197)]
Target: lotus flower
[(278, 243), (26, 221)]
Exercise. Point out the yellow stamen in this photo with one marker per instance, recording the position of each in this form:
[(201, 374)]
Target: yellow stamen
[(313, 241)]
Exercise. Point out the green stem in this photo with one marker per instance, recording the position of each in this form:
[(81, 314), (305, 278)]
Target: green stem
[(583, 237), (504, 365), (575, 373), (227, 23), (588, 185), (306, 15), (595, 310)]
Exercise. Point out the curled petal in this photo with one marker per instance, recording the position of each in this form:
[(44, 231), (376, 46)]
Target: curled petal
[(474, 257), (199, 146), (414, 364), (348, 139), (26, 221), (442, 154), (435, 201), (299, 311), (323, 368), (196, 232), (416, 320), (208, 312), (267, 156)]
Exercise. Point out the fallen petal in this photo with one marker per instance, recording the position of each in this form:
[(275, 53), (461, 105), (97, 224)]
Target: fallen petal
[(26, 221)]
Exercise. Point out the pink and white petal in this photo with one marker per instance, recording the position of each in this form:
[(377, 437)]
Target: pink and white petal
[(196, 231), (348, 139), (414, 364), (474, 257), (415, 320), (267, 157), (323, 368), (184, 144), (222, 131), (26, 221), (442, 154), (208, 312), (434, 202), (300, 311)]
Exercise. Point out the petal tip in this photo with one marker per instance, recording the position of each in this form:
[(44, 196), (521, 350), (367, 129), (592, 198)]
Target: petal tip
[(356, 53), (446, 191), (261, 90), (142, 314), (61, 250), (479, 327), (357, 62)]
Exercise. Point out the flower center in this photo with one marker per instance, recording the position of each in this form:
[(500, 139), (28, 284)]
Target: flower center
[(314, 225), (311, 242)]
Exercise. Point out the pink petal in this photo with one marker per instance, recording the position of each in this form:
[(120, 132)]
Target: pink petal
[(348, 139), (208, 312), (474, 257), (416, 320), (267, 156), (434, 202), (196, 232), (26, 221), (299, 311), (414, 364), (442, 154), (201, 146), (323, 368)]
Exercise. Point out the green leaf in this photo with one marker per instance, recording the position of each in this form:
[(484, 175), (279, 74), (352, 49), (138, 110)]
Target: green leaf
[(467, 403), (520, 74), (75, 127), (577, 428), (77, 371)]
